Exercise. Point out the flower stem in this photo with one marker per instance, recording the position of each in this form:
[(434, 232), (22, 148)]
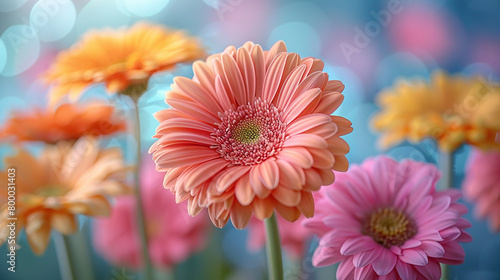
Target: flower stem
[(273, 249), (446, 162), (141, 223), (73, 256), (446, 166), (66, 266)]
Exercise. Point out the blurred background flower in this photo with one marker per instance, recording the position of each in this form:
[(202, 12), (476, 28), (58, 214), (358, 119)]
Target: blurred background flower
[(482, 185), (451, 110), (64, 181), (119, 59), (368, 45), (67, 122), (173, 235)]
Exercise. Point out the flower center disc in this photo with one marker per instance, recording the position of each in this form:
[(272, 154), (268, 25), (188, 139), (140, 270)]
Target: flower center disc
[(250, 134), (389, 227)]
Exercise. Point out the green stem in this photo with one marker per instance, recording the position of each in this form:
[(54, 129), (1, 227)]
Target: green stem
[(141, 223), (273, 249), (66, 267), (446, 162)]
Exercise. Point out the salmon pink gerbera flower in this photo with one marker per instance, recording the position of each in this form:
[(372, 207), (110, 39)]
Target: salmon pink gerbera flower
[(482, 184), (250, 133), (384, 220)]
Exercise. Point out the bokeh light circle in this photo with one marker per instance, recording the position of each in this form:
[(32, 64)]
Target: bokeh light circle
[(100, 15), (11, 5), (3, 55), (22, 49), (300, 37), (400, 65), (52, 19), (354, 89), (142, 9)]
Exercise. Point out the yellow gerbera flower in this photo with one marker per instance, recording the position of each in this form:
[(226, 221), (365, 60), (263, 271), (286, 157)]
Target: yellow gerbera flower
[(49, 191), (451, 110), (120, 58)]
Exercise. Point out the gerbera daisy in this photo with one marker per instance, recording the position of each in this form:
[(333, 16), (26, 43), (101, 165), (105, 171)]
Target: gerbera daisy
[(173, 235), (384, 220), (120, 59), (451, 110), (250, 133), (67, 122), (482, 184), (65, 181), (293, 236)]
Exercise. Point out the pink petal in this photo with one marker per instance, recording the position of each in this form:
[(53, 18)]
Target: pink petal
[(286, 196), (345, 271), (306, 140), (307, 122), (257, 185), (356, 245), (269, 173), (234, 79), (325, 256), (406, 271), (385, 262), (364, 258), (229, 176), (300, 104), (414, 256), (433, 249), (247, 70), (203, 172), (273, 77), (364, 273), (430, 271), (297, 155), (243, 191)]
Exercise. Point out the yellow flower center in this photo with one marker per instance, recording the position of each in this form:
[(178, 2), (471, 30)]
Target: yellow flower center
[(389, 227), (247, 131), (250, 134), (51, 190)]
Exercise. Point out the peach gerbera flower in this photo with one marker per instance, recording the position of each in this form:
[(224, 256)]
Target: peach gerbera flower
[(67, 122), (451, 110), (250, 133), (65, 181), (120, 58)]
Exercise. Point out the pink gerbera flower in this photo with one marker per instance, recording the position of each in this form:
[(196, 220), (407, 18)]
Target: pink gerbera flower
[(482, 184), (250, 133), (384, 220), (293, 236), (173, 235)]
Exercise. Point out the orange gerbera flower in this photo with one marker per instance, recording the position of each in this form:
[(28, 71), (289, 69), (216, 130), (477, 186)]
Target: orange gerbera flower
[(67, 122), (250, 133), (120, 58), (451, 110), (65, 181)]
